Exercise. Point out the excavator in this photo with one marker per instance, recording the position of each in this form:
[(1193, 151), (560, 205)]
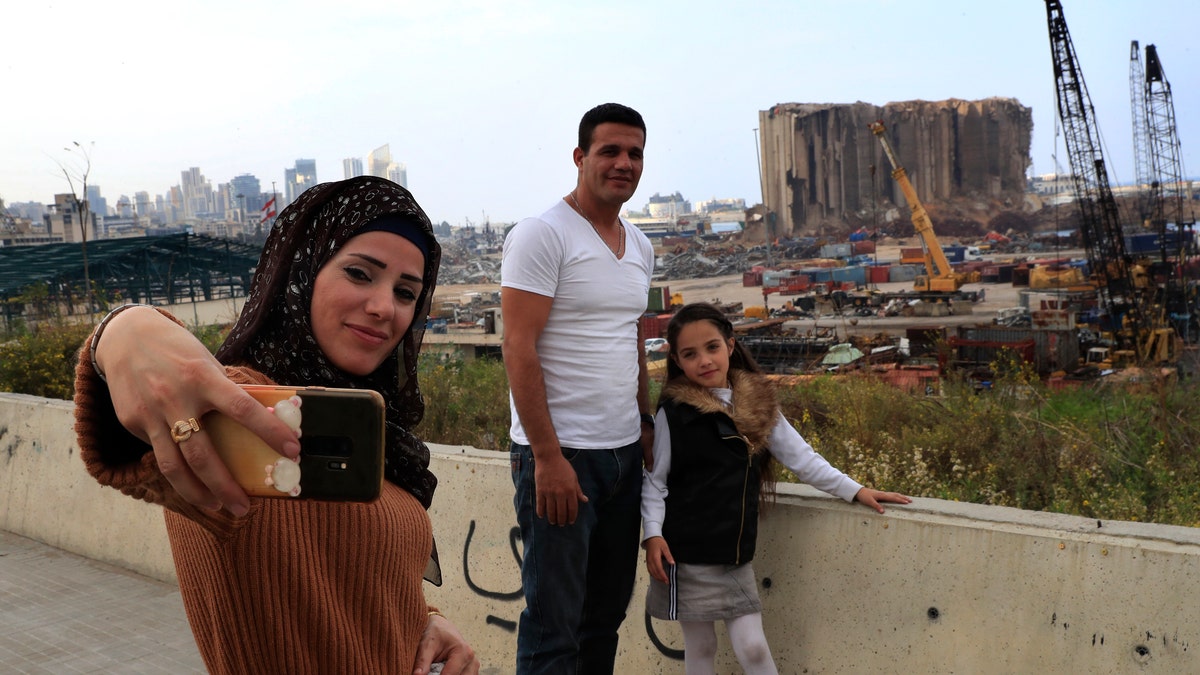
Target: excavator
[(939, 277)]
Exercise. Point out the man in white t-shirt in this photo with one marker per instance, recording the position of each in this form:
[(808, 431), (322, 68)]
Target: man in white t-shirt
[(575, 281)]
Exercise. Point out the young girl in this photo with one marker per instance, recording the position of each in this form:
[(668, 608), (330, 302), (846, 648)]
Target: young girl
[(717, 429)]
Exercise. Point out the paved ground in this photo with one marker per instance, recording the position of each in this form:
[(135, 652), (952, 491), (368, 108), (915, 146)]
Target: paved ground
[(62, 613)]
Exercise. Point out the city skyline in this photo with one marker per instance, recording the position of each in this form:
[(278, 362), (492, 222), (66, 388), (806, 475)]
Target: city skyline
[(481, 102)]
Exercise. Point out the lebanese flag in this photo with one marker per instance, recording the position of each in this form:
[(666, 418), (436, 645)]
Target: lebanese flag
[(268, 210)]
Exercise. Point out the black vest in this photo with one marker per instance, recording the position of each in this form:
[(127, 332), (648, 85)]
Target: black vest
[(712, 489)]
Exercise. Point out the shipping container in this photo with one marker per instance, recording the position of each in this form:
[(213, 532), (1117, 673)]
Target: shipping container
[(923, 340), (912, 256), (879, 274), (659, 299), (864, 247), (844, 250), (752, 278), (904, 272), (1052, 349), (922, 380), (796, 283), (1005, 273), (955, 253), (1052, 319), (776, 277), (818, 274), (1152, 242), (856, 275), (651, 328)]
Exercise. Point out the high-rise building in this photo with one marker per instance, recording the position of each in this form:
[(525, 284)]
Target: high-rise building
[(175, 210), (142, 203), (98, 204), (198, 197), (125, 207), (352, 167), (250, 189), (379, 160), (162, 206), (670, 206), (398, 173), (379, 163), (64, 219), (298, 179)]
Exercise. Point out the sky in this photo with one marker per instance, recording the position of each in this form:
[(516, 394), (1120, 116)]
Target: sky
[(481, 100)]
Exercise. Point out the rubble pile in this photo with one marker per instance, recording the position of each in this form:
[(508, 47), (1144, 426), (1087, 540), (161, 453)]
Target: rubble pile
[(461, 265), (700, 259), (478, 271)]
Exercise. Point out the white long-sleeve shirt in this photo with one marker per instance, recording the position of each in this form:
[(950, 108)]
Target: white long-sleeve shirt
[(785, 443)]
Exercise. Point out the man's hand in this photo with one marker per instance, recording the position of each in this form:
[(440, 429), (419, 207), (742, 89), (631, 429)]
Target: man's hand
[(558, 491)]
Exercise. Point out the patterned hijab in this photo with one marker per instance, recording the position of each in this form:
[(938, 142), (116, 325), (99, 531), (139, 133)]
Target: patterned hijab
[(274, 332)]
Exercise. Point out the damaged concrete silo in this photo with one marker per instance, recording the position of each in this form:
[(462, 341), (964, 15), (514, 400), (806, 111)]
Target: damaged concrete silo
[(817, 158)]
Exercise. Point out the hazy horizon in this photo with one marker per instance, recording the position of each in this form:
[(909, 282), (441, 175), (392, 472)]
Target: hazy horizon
[(481, 102)]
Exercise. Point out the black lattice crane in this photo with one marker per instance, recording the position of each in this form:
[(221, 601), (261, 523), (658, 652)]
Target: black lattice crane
[(1137, 106), (1121, 285), (1166, 165), (1167, 214)]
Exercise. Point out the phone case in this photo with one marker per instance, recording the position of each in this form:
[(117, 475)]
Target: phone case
[(341, 445)]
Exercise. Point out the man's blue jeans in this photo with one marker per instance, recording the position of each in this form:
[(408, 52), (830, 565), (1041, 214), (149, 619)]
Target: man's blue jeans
[(578, 578)]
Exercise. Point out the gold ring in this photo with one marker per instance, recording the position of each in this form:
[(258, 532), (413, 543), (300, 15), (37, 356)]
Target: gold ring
[(182, 430)]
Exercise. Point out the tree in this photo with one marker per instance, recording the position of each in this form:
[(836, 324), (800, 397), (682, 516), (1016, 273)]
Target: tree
[(78, 172)]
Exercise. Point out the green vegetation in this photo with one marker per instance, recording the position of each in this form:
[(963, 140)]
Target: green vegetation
[(1122, 453), (466, 403), (41, 360)]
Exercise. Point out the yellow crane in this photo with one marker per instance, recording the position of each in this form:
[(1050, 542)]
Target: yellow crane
[(939, 276)]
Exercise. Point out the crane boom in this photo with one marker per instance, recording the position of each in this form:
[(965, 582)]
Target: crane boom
[(940, 276), (1167, 194), (1127, 298), (1137, 105), (1100, 222), (1165, 162)]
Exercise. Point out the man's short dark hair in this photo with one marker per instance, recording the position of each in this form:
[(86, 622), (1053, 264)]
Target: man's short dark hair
[(607, 112)]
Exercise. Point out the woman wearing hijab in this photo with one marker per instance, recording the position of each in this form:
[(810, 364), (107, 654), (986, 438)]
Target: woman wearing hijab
[(339, 299)]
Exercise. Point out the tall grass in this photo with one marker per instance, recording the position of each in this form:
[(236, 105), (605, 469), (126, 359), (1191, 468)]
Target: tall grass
[(466, 402), (1124, 453)]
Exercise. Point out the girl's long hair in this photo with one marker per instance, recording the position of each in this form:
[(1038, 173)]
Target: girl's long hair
[(703, 311), (739, 359)]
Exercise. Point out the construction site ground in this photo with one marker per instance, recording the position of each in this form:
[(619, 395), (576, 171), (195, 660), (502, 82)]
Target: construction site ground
[(729, 289)]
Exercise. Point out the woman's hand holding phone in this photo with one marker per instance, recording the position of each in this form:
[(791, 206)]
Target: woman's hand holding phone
[(152, 390)]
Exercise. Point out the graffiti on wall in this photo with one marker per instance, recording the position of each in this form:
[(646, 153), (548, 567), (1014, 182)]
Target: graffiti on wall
[(517, 597)]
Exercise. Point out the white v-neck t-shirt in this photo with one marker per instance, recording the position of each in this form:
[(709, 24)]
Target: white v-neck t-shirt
[(589, 349)]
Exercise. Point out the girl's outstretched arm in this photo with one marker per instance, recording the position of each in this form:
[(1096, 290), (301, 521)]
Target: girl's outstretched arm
[(870, 498)]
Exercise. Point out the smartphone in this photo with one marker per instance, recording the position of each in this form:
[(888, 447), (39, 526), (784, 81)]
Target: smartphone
[(341, 445)]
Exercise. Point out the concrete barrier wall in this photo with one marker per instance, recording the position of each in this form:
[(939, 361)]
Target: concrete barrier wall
[(935, 587)]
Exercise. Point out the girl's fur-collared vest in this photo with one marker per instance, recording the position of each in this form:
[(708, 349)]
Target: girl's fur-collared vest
[(718, 454)]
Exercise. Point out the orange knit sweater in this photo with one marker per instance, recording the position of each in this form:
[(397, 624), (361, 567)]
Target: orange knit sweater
[(295, 586)]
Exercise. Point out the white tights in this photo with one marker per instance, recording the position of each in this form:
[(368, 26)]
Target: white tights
[(746, 636)]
